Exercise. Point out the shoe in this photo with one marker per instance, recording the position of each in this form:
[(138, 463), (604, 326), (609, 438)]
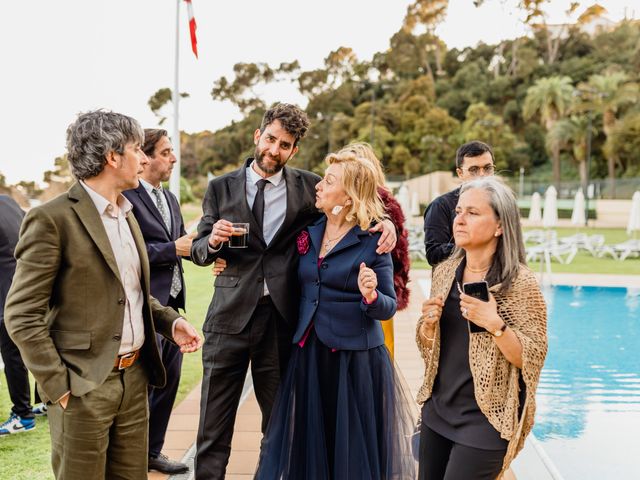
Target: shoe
[(16, 424), (163, 464), (39, 410)]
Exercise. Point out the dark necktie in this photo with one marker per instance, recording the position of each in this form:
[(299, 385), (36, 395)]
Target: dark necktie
[(258, 203), (176, 282)]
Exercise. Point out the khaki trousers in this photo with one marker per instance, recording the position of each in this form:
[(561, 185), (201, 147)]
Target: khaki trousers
[(103, 435)]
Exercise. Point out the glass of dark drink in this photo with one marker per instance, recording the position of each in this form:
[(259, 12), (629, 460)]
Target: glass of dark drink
[(240, 237)]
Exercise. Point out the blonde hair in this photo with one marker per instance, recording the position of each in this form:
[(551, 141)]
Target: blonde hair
[(360, 184), (365, 151)]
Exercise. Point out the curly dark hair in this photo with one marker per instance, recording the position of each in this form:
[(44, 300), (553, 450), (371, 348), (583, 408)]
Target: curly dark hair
[(292, 119)]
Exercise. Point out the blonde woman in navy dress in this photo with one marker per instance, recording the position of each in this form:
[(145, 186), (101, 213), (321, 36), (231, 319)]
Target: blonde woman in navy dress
[(341, 412)]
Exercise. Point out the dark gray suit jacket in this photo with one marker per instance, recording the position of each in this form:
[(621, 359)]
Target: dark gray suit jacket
[(239, 287), (10, 219)]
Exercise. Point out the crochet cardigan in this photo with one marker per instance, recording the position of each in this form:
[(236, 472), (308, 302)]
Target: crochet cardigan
[(400, 254), (495, 380)]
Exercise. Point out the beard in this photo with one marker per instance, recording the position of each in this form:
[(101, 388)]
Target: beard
[(278, 163)]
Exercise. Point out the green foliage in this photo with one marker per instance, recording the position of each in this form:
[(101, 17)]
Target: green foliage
[(417, 101)]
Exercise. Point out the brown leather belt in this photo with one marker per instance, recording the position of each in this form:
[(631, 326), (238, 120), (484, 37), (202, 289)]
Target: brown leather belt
[(126, 360)]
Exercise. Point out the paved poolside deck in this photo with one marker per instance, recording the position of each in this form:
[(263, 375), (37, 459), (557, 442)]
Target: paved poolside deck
[(245, 447)]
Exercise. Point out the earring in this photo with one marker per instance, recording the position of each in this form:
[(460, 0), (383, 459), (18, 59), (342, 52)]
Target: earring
[(497, 234)]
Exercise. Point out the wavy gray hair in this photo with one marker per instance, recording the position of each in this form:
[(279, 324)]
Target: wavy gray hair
[(510, 251), (94, 135)]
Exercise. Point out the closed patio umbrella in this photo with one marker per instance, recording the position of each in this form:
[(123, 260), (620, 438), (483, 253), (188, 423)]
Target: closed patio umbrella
[(403, 199), (578, 215), (535, 212), (633, 225), (550, 214)]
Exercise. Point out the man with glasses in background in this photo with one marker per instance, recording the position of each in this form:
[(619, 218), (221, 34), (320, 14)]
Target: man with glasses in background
[(473, 160)]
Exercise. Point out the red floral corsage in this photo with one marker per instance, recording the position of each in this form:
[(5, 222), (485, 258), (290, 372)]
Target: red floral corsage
[(303, 242)]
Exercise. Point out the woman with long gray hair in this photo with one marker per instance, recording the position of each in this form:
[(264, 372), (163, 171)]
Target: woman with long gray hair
[(483, 338)]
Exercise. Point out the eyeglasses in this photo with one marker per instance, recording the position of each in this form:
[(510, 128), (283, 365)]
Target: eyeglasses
[(475, 170)]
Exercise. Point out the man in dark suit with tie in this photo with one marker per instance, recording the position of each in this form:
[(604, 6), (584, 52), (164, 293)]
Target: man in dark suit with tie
[(158, 213), (21, 418), (80, 311), (254, 311)]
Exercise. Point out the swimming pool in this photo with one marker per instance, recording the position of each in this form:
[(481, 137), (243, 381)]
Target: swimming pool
[(588, 417)]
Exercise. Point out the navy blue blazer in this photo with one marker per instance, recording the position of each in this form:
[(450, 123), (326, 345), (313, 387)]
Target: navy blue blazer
[(160, 242), (331, 298)]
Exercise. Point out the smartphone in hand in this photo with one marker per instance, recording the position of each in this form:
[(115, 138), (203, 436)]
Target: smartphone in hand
[(479, 290)]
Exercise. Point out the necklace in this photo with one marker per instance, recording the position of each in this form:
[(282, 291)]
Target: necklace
[(327, 244), (481, 270)]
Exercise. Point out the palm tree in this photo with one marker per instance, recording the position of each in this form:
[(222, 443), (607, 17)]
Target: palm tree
[(551, 98), (608, 93), (572, 133)]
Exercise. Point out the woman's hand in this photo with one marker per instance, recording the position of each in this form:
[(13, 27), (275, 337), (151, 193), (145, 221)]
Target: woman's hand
[(367, 283), (483, 314), (219, 266), (431, 313)]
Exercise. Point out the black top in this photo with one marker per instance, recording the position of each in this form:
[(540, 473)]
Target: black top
[(452, 410), (438, 227)]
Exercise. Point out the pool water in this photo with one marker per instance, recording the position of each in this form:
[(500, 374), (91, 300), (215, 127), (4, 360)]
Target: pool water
[(588, 418)]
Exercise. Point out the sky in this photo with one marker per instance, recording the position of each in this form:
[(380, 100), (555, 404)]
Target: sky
[(59, 58)]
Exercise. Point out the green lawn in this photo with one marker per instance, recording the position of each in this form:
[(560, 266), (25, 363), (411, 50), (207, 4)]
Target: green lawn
[(584, 262)]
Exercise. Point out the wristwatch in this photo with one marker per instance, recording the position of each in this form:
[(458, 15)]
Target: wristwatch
[(499, 331)]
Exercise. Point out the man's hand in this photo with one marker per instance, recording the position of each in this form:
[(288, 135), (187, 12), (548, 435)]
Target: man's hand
[(64, 400), (183, 244), (186, 337), (221, 232), (219, 266), (389, 237)]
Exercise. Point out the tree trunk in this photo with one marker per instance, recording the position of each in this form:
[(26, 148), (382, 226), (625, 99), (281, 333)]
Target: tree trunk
[(611, 167), (608, 122), (582, 170), (555, 161)]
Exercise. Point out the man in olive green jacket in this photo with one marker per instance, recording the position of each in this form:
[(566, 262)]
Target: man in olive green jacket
[(80, 312)]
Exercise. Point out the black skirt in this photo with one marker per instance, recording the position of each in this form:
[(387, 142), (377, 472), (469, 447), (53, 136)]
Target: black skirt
[(339, 414)]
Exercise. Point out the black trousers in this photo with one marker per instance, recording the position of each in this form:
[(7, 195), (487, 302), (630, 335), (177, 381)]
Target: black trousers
[(442, 459), (265, 343), (161, 400), (17, 375)]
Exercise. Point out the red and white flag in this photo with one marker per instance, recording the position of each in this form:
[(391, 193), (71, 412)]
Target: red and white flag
[(192, 28)]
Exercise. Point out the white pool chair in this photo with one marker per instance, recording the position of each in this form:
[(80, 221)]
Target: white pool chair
[(621, 251)]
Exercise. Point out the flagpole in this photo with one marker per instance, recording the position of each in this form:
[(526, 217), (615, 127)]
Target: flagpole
[(174, 181)]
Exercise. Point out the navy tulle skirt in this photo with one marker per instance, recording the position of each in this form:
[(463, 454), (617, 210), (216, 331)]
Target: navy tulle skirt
[(340, 415)]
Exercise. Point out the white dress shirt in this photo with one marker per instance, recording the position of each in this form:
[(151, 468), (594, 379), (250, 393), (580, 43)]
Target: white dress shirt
[(275, 201), (114, 219)]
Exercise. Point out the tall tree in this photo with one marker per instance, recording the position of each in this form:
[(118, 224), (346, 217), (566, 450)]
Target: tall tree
[(608, 94), (158, 100), (427, 14), (247, 76), (550, 98), (572, 133)]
